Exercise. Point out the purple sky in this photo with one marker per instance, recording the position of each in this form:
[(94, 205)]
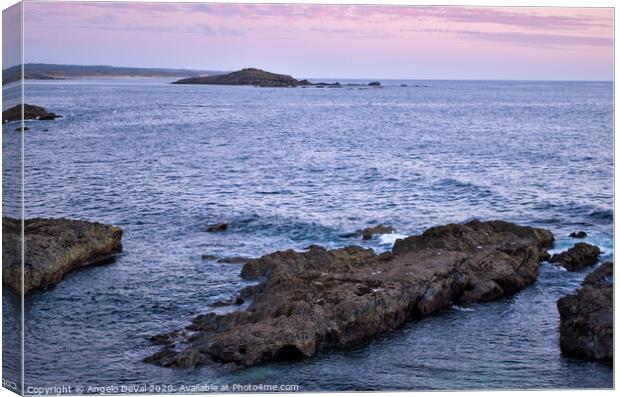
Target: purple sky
[(329, 41)]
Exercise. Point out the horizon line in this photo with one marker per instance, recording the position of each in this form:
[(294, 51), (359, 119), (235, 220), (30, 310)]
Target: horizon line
[(316, 77)]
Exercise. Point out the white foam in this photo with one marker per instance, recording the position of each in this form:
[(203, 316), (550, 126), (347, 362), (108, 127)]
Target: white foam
[(390, 238), (564, 243), (462, 309)]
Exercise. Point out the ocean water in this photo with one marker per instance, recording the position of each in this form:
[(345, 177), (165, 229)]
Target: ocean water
[(291, 167)]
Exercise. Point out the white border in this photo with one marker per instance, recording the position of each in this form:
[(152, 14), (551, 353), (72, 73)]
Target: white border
[(488, 3)]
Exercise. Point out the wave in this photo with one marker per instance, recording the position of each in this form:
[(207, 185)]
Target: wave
[(291, 229), (570, 214), (462, 188), (269, 192), (602, 216), (390, 238)]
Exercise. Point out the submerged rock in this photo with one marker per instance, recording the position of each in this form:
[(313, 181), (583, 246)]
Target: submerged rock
[(321, 298), (218, 227), (31, 112), (369, 232), (225, 259), (329, 85), (576, 258), (233, 259), (586, 318), (53, 248), (579, 234)]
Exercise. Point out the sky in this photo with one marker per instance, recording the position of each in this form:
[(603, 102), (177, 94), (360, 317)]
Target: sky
[(313, 41)]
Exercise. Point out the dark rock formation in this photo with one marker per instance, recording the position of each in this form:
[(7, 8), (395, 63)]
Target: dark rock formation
[(369, 232), (248, 76), (218, 227), (579, 234), (320, 299), (578, 257), (586, 318), (54, 247), (30, 113), (374, 84), (22, 129)]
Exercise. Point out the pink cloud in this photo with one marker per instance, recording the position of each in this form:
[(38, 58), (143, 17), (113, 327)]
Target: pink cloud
[(323, 40)]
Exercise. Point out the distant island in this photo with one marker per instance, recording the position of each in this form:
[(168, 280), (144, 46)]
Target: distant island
[(46, 71), (247, 76), (261, 78)]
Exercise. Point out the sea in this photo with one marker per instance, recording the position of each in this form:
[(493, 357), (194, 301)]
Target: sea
[(290, 167)]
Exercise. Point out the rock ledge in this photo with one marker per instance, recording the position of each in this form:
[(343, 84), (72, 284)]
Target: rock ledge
[(54, 247)]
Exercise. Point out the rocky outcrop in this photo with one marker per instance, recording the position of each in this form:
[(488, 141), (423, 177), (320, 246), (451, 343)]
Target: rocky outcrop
[(52, 248), (586, 318), (320, 298), (31, 112), (578, 257), (374, 84), (248, 76), (579, 234), (369, 232)]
